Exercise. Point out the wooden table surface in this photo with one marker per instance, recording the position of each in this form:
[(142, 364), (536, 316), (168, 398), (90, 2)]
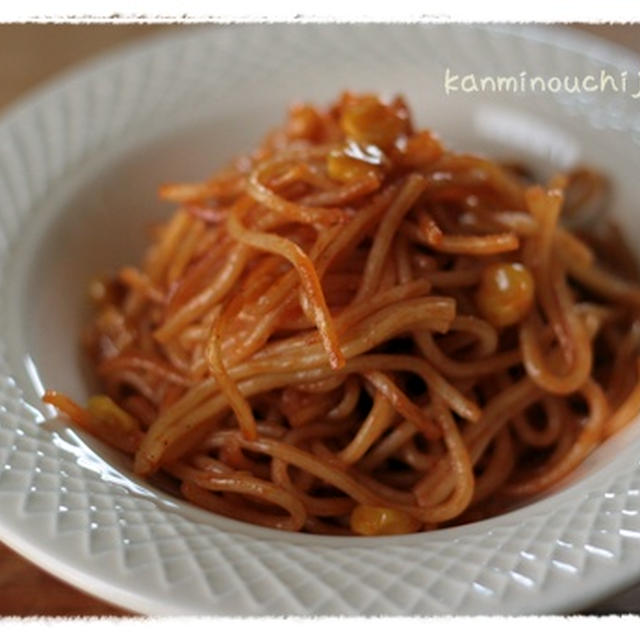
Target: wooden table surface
[(30, 54)]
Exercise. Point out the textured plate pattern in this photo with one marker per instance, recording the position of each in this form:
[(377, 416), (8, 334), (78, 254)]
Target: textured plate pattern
[(82, 519)]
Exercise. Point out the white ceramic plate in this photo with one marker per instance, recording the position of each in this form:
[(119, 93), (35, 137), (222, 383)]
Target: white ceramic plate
[(80, 161)]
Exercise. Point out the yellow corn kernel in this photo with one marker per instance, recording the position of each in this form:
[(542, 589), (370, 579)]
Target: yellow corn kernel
[(304, 122), (107, 412), (420, 149), (353, 162), (380, 521), (506, 293), (369, 121)]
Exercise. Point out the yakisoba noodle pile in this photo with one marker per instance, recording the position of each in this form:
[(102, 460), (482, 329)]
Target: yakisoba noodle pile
[(356, 330)]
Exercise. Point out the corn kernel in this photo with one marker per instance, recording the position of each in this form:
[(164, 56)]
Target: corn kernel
[(506, 293), (379, 521), (106, 411), (354, 161), (367, 120), (420, 149), (304, 123)]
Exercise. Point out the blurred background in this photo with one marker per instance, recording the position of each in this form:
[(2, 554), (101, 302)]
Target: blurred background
[(29, 55)]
